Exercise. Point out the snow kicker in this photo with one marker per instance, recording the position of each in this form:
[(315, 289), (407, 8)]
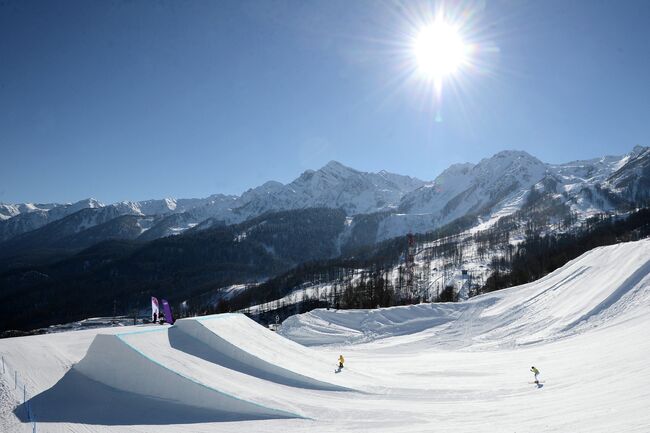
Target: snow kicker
[(115, 361), (239, 343)]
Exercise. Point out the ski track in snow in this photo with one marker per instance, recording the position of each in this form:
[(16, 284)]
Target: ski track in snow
[(460, 367)]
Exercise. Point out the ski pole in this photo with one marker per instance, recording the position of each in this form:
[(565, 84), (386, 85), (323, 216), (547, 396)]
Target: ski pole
[(3, 365), (16, 379)]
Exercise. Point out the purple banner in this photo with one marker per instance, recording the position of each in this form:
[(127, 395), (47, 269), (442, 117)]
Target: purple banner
[(167, 310)]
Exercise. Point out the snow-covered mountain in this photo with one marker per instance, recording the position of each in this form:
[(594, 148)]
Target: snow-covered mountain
[(332, 186), (29, 216), (632, 179), (487, 191), (465, 188), (210, 205), (500, 186), (11, 210), (78, 230)]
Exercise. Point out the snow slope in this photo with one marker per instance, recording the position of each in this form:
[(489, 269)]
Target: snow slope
[(446, 367), (583, 293), (235, 341)]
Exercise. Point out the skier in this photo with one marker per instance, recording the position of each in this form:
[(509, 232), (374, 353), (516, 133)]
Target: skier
[(341, 361), (536, 373)]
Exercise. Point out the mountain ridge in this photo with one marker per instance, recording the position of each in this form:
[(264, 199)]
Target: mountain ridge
[(325, 187), (494, 187)]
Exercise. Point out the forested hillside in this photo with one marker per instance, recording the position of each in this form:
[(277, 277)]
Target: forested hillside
[(380, 277), (126, 274)]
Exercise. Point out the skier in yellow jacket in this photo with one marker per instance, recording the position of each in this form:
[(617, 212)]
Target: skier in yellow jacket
[(341, 361), (536, 373)]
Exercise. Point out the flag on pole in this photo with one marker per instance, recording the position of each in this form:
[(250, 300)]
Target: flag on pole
[(167, 310), (155, 311)]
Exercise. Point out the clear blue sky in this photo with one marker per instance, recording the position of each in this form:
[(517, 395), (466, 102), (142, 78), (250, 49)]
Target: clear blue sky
[(134, 99)]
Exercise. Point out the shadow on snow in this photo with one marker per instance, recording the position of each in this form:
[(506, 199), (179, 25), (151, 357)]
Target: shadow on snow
[(77, 399)]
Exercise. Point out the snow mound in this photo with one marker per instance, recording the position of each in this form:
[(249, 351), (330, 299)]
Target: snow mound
[(238, 343), (353, 326), (599, 288), (136, 372), (210, 369)]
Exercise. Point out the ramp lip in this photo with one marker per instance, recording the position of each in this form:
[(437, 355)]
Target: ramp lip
[(139, 352), (143, 331), (214, 317)]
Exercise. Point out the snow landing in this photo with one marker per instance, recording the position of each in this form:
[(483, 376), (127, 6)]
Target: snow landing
[(460, 367)]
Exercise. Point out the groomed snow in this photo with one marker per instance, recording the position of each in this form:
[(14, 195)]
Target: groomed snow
[(460, 367)]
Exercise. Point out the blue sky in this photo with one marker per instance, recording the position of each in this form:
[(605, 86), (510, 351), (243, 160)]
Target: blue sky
[(134, 100)]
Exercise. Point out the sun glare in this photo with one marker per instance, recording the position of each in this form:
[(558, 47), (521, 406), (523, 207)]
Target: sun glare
[(439, 50)]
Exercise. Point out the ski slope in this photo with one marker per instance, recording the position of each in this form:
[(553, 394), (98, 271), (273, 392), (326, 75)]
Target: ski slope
[(584, 293), (429, 367)]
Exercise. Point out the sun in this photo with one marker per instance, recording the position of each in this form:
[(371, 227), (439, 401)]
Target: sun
[(445, 50), (439, 50)]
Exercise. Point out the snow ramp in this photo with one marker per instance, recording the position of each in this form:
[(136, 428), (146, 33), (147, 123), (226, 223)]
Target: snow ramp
[(115, 361), (602, 287), (236, 342)]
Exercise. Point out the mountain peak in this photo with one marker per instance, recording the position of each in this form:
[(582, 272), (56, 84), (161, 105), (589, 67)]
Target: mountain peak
[(271, 185), (461, 168), (509, 159), (335, 166), (88, 203), (514, 154), (331, 169)]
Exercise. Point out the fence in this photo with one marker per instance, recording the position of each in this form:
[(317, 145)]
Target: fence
[(16, 384)]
